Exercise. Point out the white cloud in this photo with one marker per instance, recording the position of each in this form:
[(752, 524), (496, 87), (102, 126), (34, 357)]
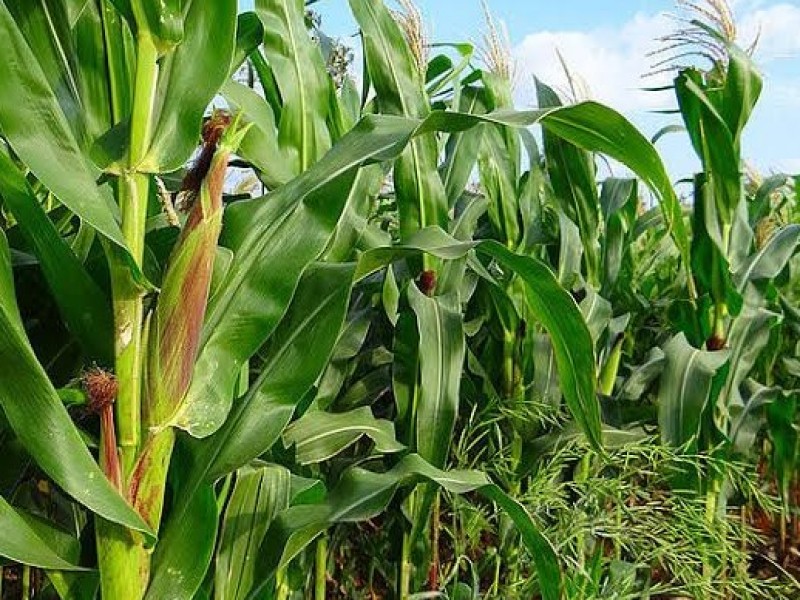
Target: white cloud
[(612, 61), (777, 28)]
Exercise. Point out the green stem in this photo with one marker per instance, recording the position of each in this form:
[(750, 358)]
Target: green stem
[(321, 569), (124, 563), (128, 295), (26, 582), (712, 502), (282, 590), (143, 99), (406, 566), (129, 321)]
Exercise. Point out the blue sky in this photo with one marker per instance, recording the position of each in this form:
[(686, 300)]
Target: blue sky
[(605, 43)]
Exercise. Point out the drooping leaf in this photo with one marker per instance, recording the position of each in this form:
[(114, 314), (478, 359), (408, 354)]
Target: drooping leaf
[(35, 125), (260, 145), (21, 543), (556, 310), (318, 435), (260, 493), (35, 413), (362, 494), (293, 226), (771, 259), (685, 387)]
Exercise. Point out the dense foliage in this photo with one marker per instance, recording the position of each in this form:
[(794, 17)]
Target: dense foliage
[(381, 342)]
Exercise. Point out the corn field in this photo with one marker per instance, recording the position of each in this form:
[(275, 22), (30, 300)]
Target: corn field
[(272, 332)]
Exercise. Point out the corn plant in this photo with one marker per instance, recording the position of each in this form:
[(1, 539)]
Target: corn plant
[(204, 386)]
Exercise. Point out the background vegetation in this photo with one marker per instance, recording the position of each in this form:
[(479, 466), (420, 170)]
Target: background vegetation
[(382, 342)]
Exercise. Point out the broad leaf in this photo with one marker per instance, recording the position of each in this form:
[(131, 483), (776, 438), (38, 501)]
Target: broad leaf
[(362, 494), (274, 240), (23, 544), (188, 81), (572, 343), (83, 305), (441, 362), (39, 419), (302, 79), (400, 90), (685, 387), (33, 122), (261, 492), (318, 435)]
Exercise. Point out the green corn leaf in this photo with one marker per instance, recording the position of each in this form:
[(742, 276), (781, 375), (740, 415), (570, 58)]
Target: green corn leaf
[(22, 543), (441, 362), (743, 85), (83, 305), (555, 309), (785, 435), (354, 231), (40, 421), (189, 79), (642, 376), (595, 128), (94, 51), (539, 547), (750, 416), (771, 259), (235, 331), (684, 390), (399, 85), (313, 320), (713, 141), (37, 129), (257, 420), (260, 145), (260, 493), (362, 494), (461, 151), (75, 8), (497, 167), (572, 174), (748, 337), (302, 79), (319, 435), (249, 35), (274, 240), (45, 25), (162, 20), (186, 547), (548, 302)]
